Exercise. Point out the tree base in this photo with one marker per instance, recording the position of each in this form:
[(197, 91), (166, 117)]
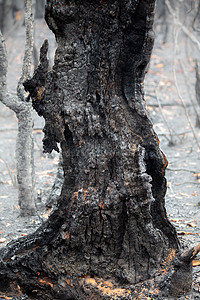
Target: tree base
[(23, 275)]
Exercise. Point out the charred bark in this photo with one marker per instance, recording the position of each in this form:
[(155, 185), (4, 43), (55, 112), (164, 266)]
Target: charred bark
[(57, 186), (110, 230)]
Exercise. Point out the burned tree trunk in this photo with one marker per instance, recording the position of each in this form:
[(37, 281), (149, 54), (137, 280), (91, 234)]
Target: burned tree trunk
[(110, 230)]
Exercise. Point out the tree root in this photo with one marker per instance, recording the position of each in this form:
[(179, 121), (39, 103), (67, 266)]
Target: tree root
[(172, 279)]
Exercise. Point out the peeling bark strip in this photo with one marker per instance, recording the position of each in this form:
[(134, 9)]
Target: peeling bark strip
[(110, 230)]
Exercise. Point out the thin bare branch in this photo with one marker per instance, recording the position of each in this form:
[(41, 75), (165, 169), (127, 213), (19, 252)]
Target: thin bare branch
[(3, 68), (28, 55), (6, 98), (181, 26), (176, 33), (181, 169), (13, 103)]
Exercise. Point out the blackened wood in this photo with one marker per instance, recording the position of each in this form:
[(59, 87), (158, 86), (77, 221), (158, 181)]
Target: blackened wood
[(110, 228)]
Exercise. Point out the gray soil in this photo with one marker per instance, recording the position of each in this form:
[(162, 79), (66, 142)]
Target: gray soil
[(169, 101)]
